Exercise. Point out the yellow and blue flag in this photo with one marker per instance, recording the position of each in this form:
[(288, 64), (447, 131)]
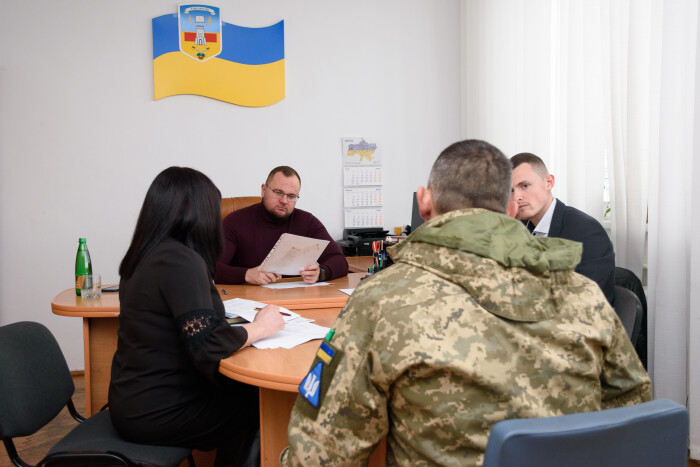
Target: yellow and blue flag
[(194, 52), (325, 352)]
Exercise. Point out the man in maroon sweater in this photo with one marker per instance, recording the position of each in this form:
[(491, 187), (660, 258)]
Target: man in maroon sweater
[(250, 233)]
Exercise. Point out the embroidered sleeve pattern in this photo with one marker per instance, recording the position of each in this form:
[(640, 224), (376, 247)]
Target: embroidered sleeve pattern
[(195, 327)]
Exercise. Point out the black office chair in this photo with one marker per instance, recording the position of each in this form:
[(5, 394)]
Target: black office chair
[(35, 385), (629, 310), (651, 434), (629, 280)]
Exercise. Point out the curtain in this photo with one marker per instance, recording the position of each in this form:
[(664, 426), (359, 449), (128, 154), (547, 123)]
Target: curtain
[(694, 299), (596, 86), (631, 92), (672, 212)]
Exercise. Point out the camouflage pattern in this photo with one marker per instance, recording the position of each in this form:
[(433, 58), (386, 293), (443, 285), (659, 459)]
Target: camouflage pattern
[(478, 321)]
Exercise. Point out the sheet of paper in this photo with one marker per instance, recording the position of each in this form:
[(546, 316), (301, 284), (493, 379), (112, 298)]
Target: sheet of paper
[(292, 253), (347, 291), (293, 334), (246, 309), (292, 285)]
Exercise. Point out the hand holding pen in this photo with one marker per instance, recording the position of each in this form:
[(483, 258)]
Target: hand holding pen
[(281, 312), (267, 322)]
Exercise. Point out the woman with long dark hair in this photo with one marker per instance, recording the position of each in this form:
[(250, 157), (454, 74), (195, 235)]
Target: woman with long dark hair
[(165, 387)]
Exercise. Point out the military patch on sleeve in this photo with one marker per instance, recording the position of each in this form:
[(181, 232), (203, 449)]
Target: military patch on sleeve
[(310, 387), (325, 352), (316, 382)]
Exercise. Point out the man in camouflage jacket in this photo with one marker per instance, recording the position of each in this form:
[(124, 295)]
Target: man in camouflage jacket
[(477, 321)]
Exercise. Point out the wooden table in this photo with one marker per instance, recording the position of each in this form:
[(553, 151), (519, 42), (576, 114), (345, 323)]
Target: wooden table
[(100, 322), (359, 263), (277, 372)]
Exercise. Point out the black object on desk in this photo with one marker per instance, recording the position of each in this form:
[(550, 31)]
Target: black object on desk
[(358, 242)]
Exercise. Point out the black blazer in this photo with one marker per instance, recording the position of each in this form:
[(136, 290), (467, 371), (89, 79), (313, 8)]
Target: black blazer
[(598, 257)]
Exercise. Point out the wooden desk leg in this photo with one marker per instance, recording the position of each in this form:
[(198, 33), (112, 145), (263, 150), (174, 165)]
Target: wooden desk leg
[(275, 411), (88, 372), (100, 343)]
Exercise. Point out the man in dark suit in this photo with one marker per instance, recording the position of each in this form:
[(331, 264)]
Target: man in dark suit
[(546, 216)]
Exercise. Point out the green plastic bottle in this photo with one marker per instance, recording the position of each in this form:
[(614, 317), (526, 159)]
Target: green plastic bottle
[(83, 265)]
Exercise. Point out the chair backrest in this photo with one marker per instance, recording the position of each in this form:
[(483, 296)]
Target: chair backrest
[(650, 434), (629, 280), (629, 310), (228, 205), (35, 382), (35, 385)]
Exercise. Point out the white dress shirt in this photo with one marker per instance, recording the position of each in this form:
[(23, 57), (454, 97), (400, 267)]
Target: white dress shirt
[(542, 229)]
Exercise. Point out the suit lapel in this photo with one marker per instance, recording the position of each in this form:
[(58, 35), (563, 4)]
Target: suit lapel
[(557, 219)]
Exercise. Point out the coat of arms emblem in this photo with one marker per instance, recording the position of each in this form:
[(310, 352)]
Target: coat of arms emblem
[(200, 31)]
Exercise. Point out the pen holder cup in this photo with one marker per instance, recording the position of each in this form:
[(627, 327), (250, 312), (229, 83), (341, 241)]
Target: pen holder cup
[(381, 261)]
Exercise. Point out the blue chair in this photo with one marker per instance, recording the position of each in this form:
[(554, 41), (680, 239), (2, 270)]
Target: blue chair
[(36, 384), (651, 434)]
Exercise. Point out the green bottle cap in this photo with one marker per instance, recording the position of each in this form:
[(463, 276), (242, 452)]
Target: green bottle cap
[(330, 334), (82, 240)]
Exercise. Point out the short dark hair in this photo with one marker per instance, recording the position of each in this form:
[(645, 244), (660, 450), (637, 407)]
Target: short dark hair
[(471, 174), (286, 171), (183, 204), (535, 162)]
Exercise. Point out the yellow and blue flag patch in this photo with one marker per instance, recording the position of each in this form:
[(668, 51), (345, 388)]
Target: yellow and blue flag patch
[(325, 353), (194, 52)]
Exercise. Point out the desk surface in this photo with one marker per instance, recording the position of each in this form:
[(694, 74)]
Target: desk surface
[(280, 369), (67, 303), (359, 263)]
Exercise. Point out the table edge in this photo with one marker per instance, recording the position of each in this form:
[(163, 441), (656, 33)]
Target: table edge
[(288, 384)]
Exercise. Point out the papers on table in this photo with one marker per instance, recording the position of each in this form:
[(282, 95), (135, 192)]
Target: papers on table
[(292, 253), (297, 330), (291, 285), (246, 309), (347, 291)]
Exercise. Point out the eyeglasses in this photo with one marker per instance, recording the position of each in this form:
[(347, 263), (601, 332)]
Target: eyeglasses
[(277, 194)]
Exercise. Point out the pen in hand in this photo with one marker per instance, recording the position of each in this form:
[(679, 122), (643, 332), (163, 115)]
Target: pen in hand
[(281, 312)]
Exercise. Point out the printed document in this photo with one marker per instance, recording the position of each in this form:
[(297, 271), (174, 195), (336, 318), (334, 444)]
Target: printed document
[(292, 253), (297, 329), (247, 309), (292, 335)]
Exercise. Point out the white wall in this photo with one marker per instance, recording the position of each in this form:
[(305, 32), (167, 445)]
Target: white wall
[(81, 137)]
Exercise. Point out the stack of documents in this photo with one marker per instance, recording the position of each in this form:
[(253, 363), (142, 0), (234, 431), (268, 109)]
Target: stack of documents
[(297, 330)]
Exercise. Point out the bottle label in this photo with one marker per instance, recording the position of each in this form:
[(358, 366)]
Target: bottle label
[(79, 284)]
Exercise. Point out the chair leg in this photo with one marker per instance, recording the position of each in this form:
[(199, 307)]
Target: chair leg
[(74, 413), (12, 453)]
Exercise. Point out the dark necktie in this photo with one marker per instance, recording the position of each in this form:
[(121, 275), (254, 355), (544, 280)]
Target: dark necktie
[(531, 227)]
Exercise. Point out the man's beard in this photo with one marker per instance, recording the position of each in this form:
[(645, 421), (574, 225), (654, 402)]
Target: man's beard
[(279, 216)]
